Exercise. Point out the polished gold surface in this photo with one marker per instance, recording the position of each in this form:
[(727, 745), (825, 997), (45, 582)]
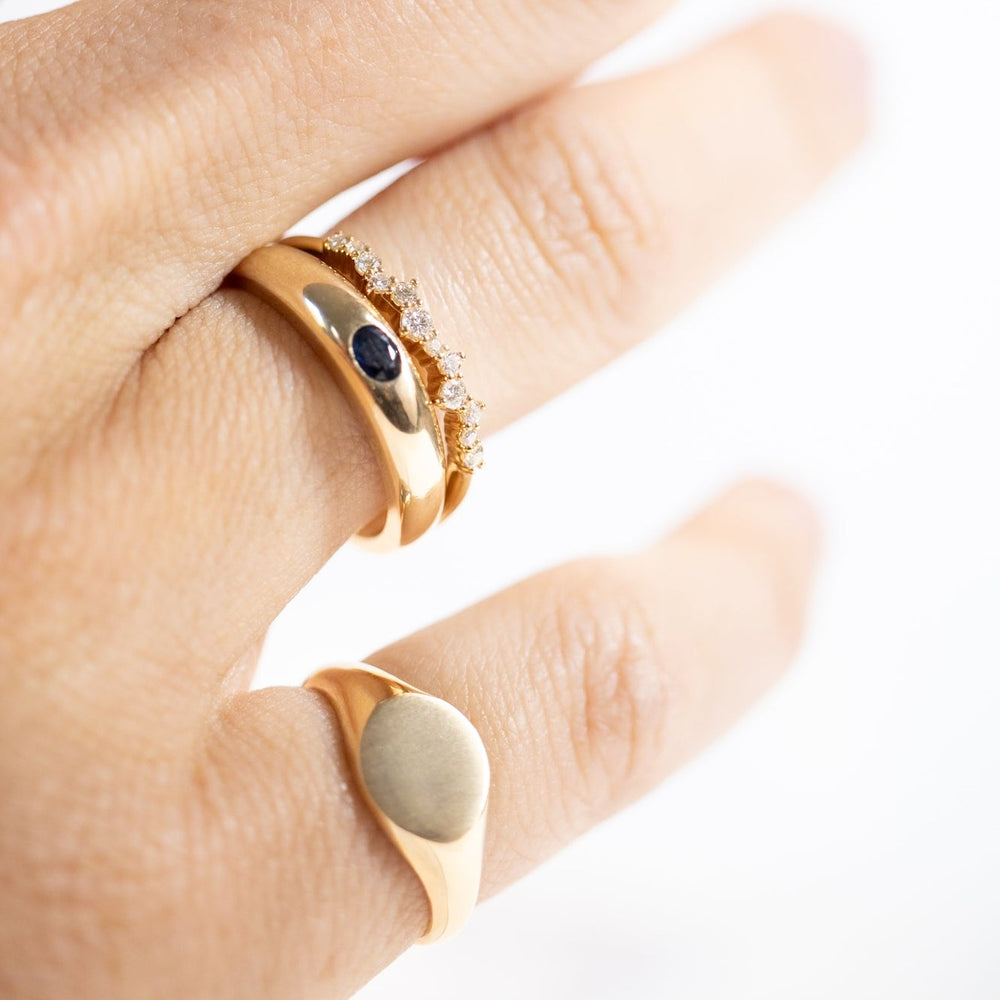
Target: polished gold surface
[(327, 310), (463, 444), (423, 771)]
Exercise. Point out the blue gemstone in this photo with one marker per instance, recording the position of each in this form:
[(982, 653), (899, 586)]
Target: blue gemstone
[(375, 353)]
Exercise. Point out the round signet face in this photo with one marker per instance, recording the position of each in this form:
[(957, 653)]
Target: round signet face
[(424, 766)]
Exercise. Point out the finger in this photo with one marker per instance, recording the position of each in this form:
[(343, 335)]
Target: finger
[(602, 211), (588, 684), (234, 466), (585, 242), (145, 147)]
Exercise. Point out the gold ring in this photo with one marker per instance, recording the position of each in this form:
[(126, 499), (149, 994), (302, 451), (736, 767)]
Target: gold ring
[(374, 370), (423, 771), (399, 302)]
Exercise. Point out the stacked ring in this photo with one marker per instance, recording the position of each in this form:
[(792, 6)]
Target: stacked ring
[(399, 302), (378, 340)]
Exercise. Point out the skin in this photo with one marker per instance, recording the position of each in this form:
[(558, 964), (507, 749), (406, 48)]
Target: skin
[(175, 464)]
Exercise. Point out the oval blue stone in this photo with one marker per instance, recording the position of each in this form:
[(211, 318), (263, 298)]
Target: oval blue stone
[(375, 353)]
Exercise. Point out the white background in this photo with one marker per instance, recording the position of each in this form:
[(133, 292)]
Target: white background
[(842, 842)]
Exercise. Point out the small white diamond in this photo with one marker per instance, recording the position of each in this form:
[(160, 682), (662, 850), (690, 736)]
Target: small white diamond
[(434, 347), (416, 322), (473, 458), (337, 241), (354, 246), (472, 413), (451, 364), (379, 282), (404, 294), (366, 262), (468, 437), (453, 394)]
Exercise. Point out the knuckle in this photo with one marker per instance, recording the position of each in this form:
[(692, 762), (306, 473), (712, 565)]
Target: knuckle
[(618, 697), (583, 206)]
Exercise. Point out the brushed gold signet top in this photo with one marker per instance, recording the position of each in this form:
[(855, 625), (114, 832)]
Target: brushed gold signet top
[(422, 770), (327, 310)]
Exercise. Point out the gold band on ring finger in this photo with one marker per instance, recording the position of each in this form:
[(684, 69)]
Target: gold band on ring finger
[(373, 369), (422, 770)]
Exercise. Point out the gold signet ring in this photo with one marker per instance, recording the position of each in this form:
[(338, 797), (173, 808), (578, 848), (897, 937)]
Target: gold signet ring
[(422, 769), (374, 370)]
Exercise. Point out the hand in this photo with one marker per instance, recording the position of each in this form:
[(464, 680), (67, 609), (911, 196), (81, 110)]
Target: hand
[(175, 464)]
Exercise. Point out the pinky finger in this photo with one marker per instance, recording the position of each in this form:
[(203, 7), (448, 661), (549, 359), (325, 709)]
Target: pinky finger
[(589, 684)]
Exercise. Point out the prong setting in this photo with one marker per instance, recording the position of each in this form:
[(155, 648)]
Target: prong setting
[(442, 366)]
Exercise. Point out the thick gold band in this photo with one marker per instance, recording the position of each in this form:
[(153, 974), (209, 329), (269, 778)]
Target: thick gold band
[(422, 769), (400, 303), (326, 309)]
